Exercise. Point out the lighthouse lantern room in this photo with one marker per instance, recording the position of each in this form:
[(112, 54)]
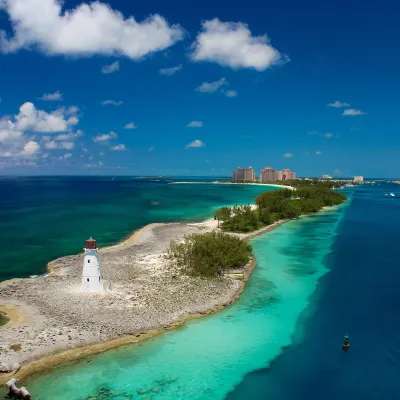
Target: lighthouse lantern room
[(91, 278)]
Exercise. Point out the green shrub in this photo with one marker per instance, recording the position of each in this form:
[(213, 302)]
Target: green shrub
[(208, 254)]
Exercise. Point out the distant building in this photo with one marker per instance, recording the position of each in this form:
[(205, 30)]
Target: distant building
[(244, 175), (288, 174), (268, 174), (279, 175), (326, 177), (359, 179)]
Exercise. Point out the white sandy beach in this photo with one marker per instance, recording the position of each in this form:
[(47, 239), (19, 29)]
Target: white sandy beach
[(232, 183)]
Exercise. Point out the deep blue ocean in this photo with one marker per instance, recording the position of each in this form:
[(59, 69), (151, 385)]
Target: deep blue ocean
[(359, 296), (316, 279)]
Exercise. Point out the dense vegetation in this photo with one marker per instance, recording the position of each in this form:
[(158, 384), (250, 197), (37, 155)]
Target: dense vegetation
[(311, 182), (277, 205), (208, 254)]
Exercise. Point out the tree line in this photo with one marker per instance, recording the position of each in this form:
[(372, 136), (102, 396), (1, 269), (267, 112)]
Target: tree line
[(273, 206)]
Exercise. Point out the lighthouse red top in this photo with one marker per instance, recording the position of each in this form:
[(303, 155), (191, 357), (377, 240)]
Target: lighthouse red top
[(91, 244)]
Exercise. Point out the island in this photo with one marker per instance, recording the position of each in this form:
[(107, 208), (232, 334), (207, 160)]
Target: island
[(161, 276)]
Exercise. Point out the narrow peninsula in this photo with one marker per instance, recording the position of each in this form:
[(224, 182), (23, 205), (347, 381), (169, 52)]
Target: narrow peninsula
[(161, 276)]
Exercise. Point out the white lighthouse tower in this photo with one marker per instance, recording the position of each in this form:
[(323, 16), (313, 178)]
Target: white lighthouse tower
[(91, 278)]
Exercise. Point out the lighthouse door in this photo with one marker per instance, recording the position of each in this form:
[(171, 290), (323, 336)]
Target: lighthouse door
[(87, 283)]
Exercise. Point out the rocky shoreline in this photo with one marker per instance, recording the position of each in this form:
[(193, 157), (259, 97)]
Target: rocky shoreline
[(54, 322)]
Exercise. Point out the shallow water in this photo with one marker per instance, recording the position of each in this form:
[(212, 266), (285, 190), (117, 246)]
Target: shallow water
[(207, 358)]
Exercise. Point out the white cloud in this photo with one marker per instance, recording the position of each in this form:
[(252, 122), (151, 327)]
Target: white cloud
[(328, 135), (195, 143), (16, 138), (65, 156), (30, 148), (112, 102), (100, 163), (232, 44), (318, 152), (131, 125), (170, 71), (288, 155), (86, 30), (195, 124), (68, 136), (353, 112), (337, 172), (118, 147), (29, 118), (53, 145), (338, 104), (105, 137), (312, 133), (230, 93), (56, 96), (109, 69), (211, 87), (151, 148)]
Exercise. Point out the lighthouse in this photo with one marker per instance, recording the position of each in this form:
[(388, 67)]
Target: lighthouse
[(91, 278)]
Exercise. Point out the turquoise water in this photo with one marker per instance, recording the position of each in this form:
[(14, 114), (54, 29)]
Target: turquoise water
[(42, 218), (208, 358)]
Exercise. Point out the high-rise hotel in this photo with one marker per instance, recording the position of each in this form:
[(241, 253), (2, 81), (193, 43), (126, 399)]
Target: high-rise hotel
[(244, 175), (267, 174)]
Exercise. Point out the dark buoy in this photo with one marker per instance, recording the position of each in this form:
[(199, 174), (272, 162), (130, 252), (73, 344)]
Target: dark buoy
[(346, 345)]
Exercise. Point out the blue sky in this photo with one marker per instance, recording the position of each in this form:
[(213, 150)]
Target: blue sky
[(183, 88)]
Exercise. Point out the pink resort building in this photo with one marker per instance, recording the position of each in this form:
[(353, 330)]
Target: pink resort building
[(244, 175)]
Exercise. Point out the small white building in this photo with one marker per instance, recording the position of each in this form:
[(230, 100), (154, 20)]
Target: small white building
[(359, 179), (91, 277)]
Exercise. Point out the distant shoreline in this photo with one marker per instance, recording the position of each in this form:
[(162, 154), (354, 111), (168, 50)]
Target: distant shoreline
[(232, 183)]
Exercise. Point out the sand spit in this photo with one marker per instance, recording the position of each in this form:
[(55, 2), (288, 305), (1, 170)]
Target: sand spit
[(233, 183), (53, 322)]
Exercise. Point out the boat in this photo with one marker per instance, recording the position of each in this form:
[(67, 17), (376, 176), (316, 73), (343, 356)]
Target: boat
[(346, 344)]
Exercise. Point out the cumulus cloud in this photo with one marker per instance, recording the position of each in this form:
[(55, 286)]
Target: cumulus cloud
[(118, 147), (328, 135), (195, 124), (86, 30), (56, 96), (353, 112), (16, 139), (29, 118), (170, 71), (105, 137), (151, 148), (338, 104), (30, 148), (231, 44), (230, 93), (318, 152), (109, 69), (131, 125), (195, 143), (288, 155), (112, 102), (65, 156), (211, 87)]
